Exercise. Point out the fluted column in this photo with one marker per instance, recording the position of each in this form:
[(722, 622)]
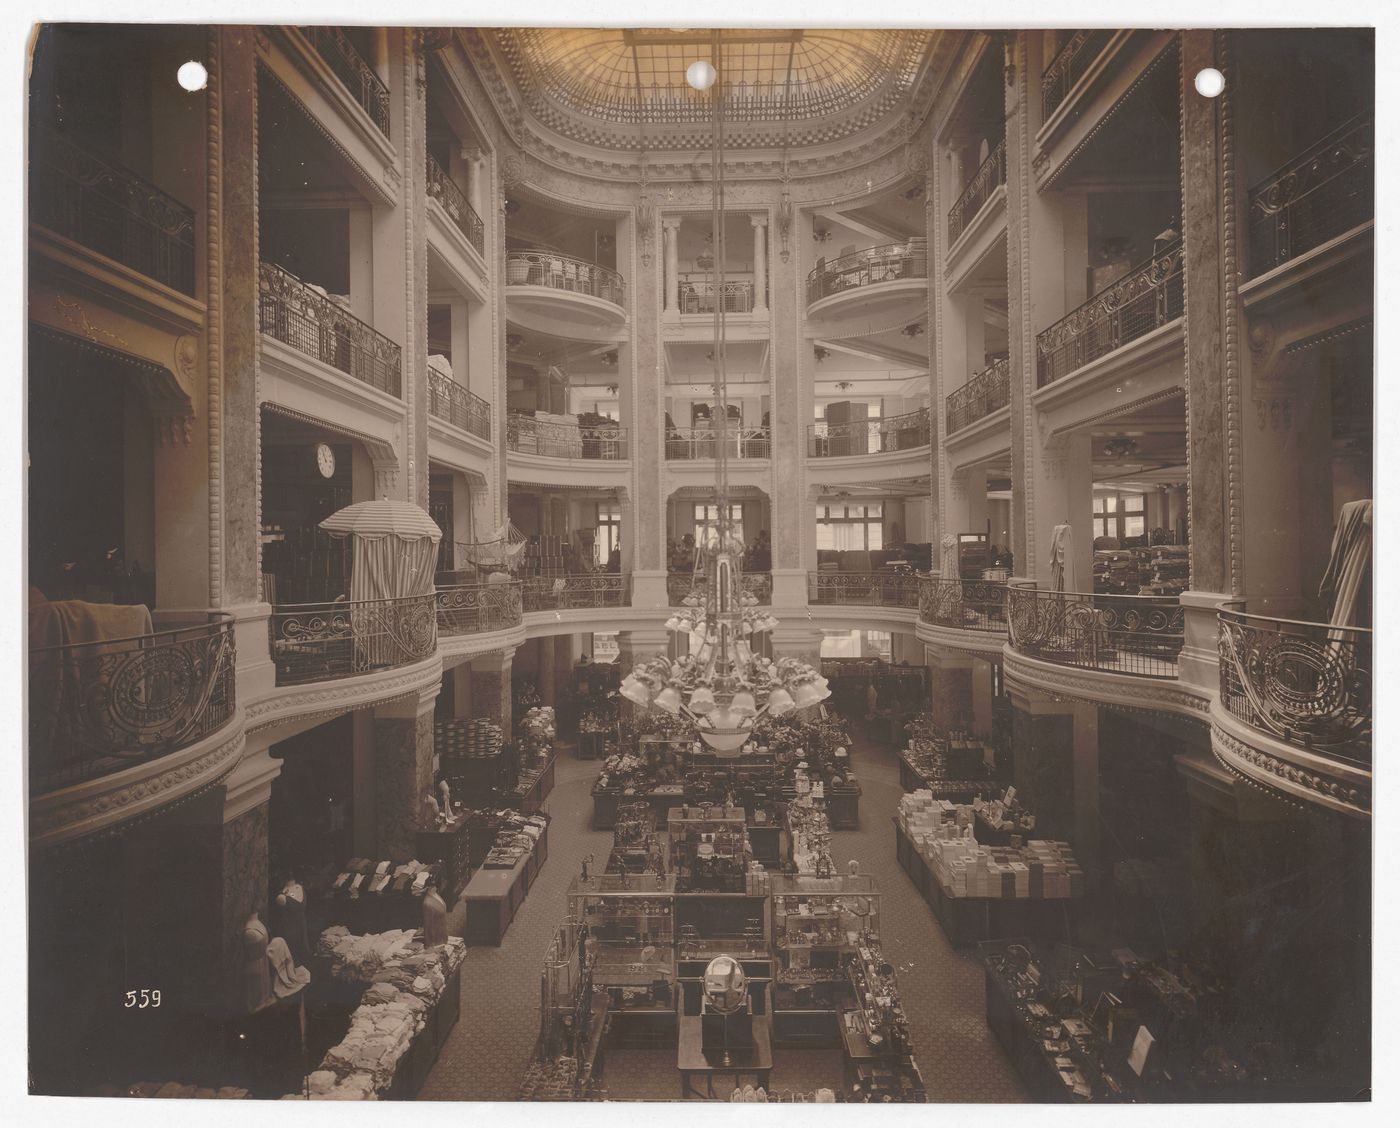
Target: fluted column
[(760, 263), (671, 230)]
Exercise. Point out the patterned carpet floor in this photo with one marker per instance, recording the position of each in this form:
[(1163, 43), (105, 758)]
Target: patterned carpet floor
[(486, 1054)]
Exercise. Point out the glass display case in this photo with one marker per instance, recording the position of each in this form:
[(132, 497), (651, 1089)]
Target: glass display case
[(708, 848), (568, 1061)]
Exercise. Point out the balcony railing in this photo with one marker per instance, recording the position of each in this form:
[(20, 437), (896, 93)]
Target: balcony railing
[(477, 608), (964, 605), (307, 320), (1307, 684), (867, 268), (452, 403), (444, 190), (697, 295), (872, 589), (869, 436), (1151, 296), (990, 175), (99, 707), (559, 440), (984, 393), (334, 46), (545, 268), (688, 443), (1327, 190), (593, 589), (1068, 67), (681, 584), (1120, 634), (313, 642), (106, 208)]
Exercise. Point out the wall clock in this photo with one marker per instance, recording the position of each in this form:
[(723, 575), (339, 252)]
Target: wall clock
[(325, 460)]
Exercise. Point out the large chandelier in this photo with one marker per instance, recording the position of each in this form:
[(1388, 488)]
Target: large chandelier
[(724, 683)]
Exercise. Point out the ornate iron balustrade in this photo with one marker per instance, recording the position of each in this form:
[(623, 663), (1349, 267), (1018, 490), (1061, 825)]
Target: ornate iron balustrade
[(874, 589), (99, 707), (990, 175), (1307, 684), (696, 294), (477, 608), (964, 605), (444, 190), (334, 46), (99, 204), (1120, 634), (1146, 299), (681, 584), (689, 443), (869, 436), (313, 642), (452, 403), (1327, 190), (308, 321), (559, 440), (984, 393), (592, 589), (866, 268), (545, 268), (1068, 67)]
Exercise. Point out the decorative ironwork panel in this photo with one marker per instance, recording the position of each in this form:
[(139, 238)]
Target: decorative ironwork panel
[(444, 190), (877, 589), (558, 440), (334, 46), (1120, 634), (984, 393), (965, 605), (869, 436), (313, 642), (99, 204), (452, 403), (685, 444), (594, 589), (1307, 684), (866, 268), (1327, 190), (560, 272), (990, 175), (310, 322), (1069, 66), (696, 294), (478, 608), (1146, 299), (100, 707)]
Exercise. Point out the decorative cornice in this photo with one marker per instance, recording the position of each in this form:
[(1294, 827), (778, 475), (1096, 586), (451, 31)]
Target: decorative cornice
[(323, 700), (1287, 781), (1124, 689), (1229, 249)]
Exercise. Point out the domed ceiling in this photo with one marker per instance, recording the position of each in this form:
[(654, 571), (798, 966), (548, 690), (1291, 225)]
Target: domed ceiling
[(612, 86)]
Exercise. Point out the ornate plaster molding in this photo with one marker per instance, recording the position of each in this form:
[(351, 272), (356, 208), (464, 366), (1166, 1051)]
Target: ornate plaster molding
[(323, 700), (1300, 786), (1088, 685)]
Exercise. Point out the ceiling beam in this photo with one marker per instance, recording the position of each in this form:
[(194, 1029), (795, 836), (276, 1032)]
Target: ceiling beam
[(871, 351), (870, 228)]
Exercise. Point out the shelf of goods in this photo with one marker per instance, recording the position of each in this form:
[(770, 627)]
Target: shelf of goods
[(707, 849), (817, 925), (469, 757), (979, 891), (369, 895), (653, 773), (575, 1019), (497, 890), (411, 1000), (877, 1049), (637, 847), (447, 845), (535, 745)]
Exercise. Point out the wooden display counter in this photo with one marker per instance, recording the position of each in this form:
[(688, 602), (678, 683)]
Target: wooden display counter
[(493, 896), (534, 787)]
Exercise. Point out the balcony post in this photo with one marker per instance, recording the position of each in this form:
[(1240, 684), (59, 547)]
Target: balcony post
[(403, 769), (760, 264), (671, 233)]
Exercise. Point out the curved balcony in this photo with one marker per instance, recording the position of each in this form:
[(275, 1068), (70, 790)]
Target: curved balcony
[(883, 280), (963, 605), (563, 296), (97, 708), (452, 403), (1305, 684), (984, 393), (477, 608), (870, 436), (526, 435), (990, 176), (567, 593), (688, 444), (863, 589), (681, 584), (313, 642), (1140, 635)]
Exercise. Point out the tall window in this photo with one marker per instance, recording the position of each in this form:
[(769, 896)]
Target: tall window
[(1120, 515), (707, 518), (851, 527), (609, 529)]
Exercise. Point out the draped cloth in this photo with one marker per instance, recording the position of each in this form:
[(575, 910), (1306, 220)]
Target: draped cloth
[(1062, 570), (1345, 587)]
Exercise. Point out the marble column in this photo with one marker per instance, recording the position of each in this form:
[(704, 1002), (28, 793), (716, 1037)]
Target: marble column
[(760, 264), (950, 688), (491, 689), (403, 771), (670, 229), (546, 669)]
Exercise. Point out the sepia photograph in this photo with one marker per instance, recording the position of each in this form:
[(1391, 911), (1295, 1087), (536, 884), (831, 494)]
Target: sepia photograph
[(743, 564)]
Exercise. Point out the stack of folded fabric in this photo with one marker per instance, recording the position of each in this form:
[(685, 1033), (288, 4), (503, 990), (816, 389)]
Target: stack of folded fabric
[(357, 958)]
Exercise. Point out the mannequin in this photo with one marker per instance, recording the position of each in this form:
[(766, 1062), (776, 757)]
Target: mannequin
[(256, 982), (446, 799), (434, 919), (289, 919)]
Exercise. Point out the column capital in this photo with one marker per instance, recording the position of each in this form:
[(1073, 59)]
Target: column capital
[(759, 220), (670, 222)]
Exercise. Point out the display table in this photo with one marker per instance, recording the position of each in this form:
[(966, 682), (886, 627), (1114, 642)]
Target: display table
[(493, 896), (842, 804), (591, 743), (606, 800), (755, 1063), (534, 786)]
